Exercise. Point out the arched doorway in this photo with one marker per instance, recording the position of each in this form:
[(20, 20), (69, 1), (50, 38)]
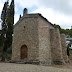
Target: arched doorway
[(24, 52)]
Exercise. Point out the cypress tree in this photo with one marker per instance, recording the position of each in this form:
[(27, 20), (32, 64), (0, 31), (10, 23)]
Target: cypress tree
[(11, 22), (4, 16), (7, 18)]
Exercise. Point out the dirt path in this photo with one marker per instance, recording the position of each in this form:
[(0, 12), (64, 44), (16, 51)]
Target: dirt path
[(66, 66), (11, 67)]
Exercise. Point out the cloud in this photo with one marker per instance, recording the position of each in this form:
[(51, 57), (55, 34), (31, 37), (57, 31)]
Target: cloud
[(0, 24), (58, 5), (26, 3), (65, 21), (56, 11), (16, 18), (1, 6), (70, 3)]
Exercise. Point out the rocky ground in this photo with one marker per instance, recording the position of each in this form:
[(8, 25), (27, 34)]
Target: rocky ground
[(12, 67)]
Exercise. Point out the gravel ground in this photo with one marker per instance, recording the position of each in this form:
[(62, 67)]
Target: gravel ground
[(12, 67)]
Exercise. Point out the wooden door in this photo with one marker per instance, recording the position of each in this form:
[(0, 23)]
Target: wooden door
[(24, 52)]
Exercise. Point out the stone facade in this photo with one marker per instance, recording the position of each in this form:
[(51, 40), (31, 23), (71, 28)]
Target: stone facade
[(64, 49), (44, 42)]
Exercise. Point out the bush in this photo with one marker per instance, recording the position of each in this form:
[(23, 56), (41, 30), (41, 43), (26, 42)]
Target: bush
[(70, 51), (8, 56)]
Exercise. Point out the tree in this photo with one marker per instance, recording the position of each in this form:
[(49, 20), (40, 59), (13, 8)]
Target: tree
[(1, 41), (4, 16), (62, 31), (7, 18), (70, 32), (10, 23), (57, 26)]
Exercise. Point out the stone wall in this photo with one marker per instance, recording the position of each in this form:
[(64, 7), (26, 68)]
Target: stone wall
[(56, 48), (52, 44), (64, 48), (44, 42), (26, 33), (44, 23)]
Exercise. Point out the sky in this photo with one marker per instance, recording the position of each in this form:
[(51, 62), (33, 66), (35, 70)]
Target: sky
[(56, 11)]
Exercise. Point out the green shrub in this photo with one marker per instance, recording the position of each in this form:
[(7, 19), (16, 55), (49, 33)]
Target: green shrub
[(70, 51), (8, 56)]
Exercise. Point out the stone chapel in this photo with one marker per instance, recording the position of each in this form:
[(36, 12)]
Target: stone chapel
[(36, 40)]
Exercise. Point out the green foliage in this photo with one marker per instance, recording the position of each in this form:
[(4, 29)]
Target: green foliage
[(7, 18), (70, 32), (65, 31), (1, 41), (62, 30), (10, 23), (70, 51), (8, 56), (57, 26)]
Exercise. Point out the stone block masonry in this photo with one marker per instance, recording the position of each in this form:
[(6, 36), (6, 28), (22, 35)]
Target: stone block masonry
[(37, 40), (64, 48)]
